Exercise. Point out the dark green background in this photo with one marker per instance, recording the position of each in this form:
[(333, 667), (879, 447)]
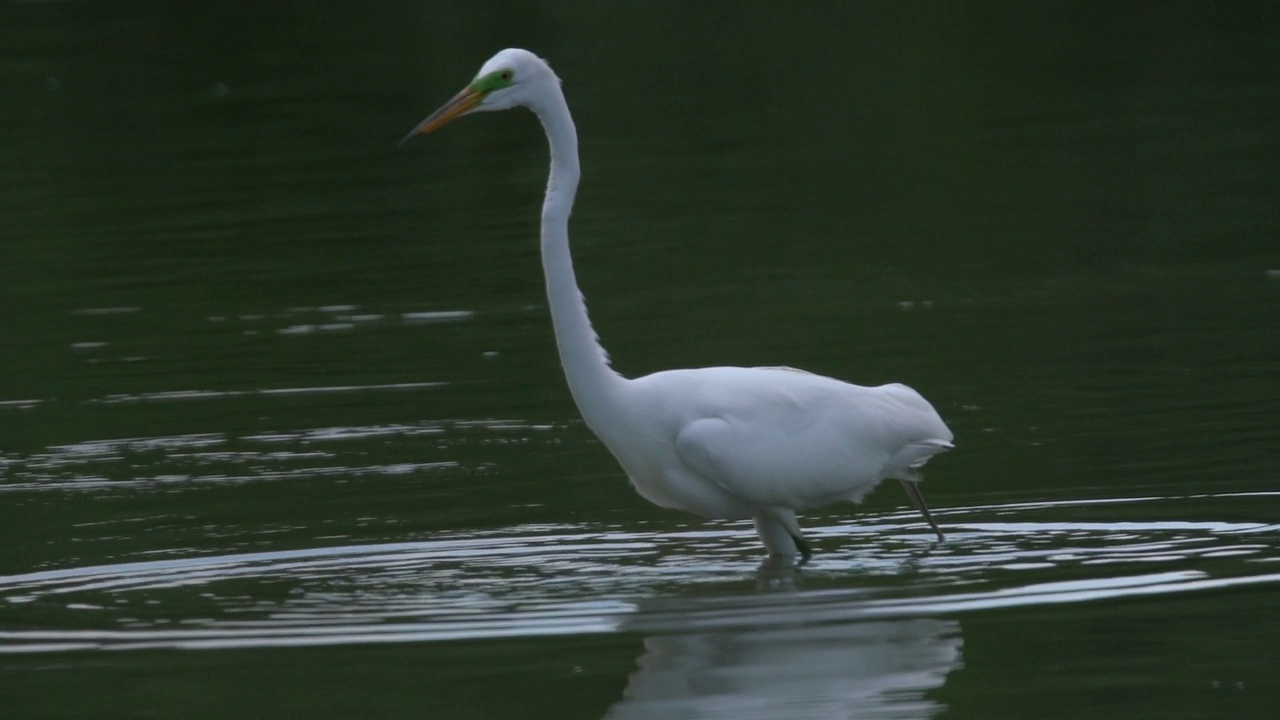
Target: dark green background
[(1059, 221)]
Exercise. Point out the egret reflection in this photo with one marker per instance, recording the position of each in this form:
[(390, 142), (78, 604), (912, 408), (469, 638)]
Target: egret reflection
[(862, 669)]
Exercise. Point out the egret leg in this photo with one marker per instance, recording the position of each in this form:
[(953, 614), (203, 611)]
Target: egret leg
[(802, 547), (913, 491), (780, 534)]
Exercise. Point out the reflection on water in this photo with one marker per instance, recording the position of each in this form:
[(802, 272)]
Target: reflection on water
[(874, 625), (216, 458), (222, 394), (869, 669), (551, 580)]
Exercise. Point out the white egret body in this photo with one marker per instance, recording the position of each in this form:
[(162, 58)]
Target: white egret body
[(721, 442)]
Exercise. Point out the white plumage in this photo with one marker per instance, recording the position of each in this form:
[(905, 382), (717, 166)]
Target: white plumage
[(722, 442)]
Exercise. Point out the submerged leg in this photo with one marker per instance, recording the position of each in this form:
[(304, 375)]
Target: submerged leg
[(913, 491), (802, 546), (780, 533)]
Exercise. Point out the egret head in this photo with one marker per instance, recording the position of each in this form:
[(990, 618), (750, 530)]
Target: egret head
[(510, 78)]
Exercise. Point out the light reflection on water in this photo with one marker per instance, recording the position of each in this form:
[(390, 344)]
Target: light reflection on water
[(183, 395), (220, 458), (582, 579)]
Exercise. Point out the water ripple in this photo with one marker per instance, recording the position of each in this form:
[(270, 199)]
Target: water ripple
[(220, 458), (564, 579)]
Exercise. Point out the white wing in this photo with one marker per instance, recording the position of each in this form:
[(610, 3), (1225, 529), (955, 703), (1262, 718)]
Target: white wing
[(776, 437)]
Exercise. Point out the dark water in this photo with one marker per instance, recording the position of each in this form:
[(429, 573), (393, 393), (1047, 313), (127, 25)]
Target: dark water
[(282, 430)]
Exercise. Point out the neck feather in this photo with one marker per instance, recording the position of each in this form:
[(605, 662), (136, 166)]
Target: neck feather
[(592, 382)]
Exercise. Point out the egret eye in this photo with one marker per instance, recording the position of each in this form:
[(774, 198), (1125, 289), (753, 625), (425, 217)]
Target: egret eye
[(506, 75)]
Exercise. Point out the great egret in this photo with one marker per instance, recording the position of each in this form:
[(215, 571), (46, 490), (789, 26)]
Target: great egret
[(722, 442)]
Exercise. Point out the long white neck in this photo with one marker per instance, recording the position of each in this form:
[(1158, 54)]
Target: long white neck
[(592, 382)]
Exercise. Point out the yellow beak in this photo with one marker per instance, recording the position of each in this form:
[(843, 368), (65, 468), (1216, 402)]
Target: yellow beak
[(459, 105)]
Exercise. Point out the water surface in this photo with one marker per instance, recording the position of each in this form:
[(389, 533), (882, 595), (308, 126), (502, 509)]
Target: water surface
[(282, 429)]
